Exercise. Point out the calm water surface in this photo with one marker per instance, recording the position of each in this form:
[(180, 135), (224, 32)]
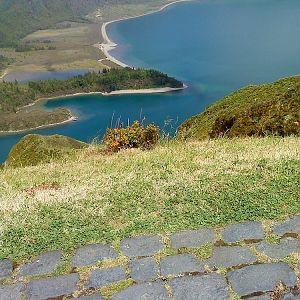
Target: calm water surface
[(214, 46), (31, 76)]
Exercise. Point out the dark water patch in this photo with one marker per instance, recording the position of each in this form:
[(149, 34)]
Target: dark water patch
[(24, 77)]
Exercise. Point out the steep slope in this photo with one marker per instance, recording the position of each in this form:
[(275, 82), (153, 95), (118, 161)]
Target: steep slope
[(269, 109)]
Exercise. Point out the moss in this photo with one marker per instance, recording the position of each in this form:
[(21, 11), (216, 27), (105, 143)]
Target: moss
[(35, 149), (269, 109)]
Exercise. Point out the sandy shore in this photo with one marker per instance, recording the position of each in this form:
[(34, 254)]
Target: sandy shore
[(109, 45), (4, 74), (145, 91), (113, 93)]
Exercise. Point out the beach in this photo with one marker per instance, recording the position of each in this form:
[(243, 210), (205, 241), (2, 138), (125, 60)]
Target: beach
[(109, 45), (113, 93)]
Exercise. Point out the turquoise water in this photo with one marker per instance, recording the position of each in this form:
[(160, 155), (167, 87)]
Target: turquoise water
[(214, 46)]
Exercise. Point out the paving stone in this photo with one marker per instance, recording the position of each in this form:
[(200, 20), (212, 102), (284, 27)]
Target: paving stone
[(11, 292), (281, 250), (192, 238), (262, 297), (92, 254), (205, 287), (289, 226), (145, 269), (91, 297), (225, 257), (243, 231), (43, 264), (142, 245), (101, 277), (290, 296), (261, 278), (6, 268), (41, 289), (179, 264), (145, 291)]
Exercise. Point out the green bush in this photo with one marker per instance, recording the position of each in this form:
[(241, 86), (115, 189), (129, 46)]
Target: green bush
[(132, 136)]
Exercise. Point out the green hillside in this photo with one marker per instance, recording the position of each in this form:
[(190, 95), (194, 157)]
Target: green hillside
[(93, 197), (21, 17), (257, 110)]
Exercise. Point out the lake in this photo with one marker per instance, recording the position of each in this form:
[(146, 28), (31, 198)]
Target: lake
[(214, 46)]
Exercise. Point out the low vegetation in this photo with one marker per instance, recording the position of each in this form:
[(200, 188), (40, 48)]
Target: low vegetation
[(33, 119), (269, 109), (94, 197), (13, 96), (132, 136), (34, 149), (5, 62), (20, 17)]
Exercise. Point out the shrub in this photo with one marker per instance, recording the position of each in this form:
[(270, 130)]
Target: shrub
[(132, 136)]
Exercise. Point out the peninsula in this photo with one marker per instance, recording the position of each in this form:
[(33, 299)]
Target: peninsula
[(17, 112)]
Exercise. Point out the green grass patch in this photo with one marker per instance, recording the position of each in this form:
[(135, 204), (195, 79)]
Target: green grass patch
[(175, 186)]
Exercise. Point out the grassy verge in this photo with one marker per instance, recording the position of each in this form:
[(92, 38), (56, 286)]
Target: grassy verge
[(93, 197)]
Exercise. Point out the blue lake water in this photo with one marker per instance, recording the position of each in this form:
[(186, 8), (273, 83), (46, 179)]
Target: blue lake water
[(214, 46), (32, 76)]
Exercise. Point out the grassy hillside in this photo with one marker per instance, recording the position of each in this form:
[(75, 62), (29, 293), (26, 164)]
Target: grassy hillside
[(21, 17), (34, 149), (92, 197), (269, 109)]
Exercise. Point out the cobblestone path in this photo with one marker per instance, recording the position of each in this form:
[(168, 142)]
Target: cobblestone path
[(241, 261)]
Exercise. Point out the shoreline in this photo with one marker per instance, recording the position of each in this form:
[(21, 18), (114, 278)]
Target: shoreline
[(107, 45), (75, 118), (4, 74), (113, 93)]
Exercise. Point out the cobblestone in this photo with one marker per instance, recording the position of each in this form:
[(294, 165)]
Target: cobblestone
[(142, 245), (261, 278), (192, 238), (91, 254), (43, 264), (6, 268), (41, 289), (101, 277), (244, 231), (205, 287), (180, 264), (156, 271)]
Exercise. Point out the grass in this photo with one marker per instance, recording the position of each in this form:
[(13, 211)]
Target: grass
[(75, 46), (177, 185), (256, 110)]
